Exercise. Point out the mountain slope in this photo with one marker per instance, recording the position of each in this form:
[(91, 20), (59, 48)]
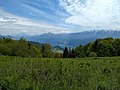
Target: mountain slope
[(72, 39)]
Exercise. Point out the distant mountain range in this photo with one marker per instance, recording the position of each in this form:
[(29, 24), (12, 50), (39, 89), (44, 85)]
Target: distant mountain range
[(71, 39)]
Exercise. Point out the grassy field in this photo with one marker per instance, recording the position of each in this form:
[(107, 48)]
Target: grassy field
[(59, 74)]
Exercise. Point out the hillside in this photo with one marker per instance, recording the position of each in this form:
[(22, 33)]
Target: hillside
[(107, 47), (71, 39)]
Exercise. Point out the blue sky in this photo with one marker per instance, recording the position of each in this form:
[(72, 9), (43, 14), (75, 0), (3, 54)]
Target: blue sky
[(58, 16)]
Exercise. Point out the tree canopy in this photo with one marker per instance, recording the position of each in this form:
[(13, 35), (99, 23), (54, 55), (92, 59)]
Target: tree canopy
[(106, 47)]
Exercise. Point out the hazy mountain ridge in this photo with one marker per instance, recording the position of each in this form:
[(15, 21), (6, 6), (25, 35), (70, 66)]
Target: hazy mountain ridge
[(71, 39)]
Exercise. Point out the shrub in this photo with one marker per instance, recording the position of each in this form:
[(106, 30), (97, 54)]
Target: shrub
[(92, 54)]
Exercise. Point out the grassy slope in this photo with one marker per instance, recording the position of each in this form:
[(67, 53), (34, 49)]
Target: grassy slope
[(59, 74)]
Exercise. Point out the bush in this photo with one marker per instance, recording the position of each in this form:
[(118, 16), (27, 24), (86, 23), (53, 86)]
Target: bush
[(92, 54), (4, 50)]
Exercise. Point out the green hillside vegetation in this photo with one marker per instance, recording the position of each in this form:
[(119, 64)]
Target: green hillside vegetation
[(28, 66), (23, 48), (59, 74), (107, 47), (18, 48)]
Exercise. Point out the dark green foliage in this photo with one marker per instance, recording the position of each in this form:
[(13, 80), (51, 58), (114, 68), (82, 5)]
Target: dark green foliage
[(18, 48), (117, 47), (25, 48), (79, 52), (68, 53), (4, 50), (18, 73), (92, 54), (72, 53), (46, 50), (65, 53), (106, 47)]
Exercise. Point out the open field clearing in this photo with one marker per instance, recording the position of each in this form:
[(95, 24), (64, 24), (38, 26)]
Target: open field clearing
[(59, 74)]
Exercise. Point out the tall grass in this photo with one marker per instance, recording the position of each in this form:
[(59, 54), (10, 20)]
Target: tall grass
[(59, 74)]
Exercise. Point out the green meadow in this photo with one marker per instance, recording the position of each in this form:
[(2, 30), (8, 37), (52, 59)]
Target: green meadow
[(18, 73)]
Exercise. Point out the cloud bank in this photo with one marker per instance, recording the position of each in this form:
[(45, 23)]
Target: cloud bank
[(12, 24), (94, 14), (58, 16)]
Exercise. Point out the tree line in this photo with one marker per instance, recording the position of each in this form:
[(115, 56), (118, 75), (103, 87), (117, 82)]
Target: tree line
[(106, 47), (25, 48)]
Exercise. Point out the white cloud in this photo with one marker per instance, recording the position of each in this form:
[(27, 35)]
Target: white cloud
[(11, 24), (101, 14)]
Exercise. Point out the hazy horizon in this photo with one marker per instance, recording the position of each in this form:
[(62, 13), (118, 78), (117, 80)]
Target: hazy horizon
[(58, 16)]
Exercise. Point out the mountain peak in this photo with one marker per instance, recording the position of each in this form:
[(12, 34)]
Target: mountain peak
[(48, 34)]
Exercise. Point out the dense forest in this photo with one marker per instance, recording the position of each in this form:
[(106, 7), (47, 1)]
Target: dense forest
[(106, 47)]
